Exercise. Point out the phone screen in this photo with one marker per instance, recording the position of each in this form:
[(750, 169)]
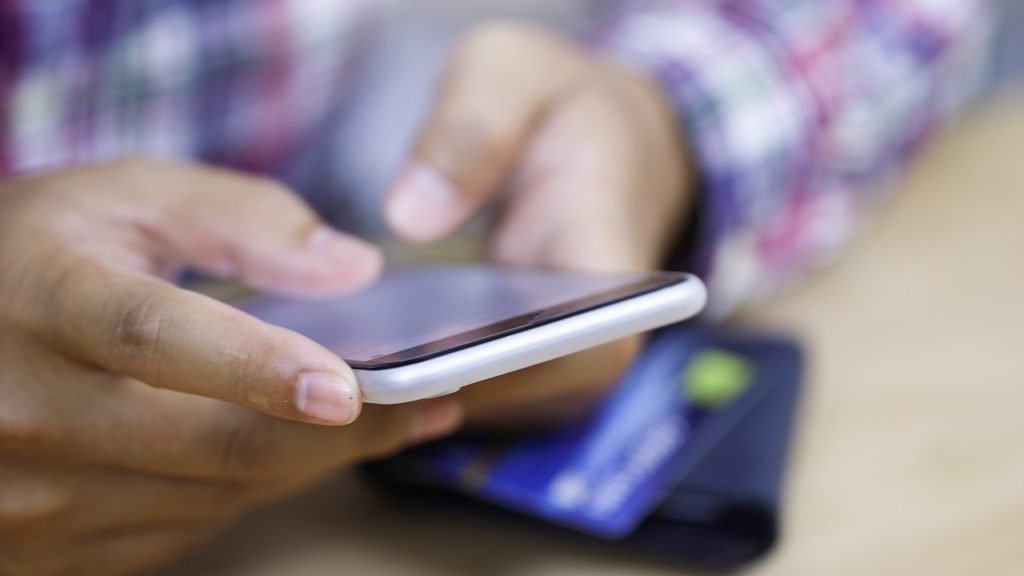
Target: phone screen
[(415, 313)]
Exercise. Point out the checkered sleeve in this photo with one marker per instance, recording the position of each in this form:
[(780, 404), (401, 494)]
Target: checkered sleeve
[(798, 111)]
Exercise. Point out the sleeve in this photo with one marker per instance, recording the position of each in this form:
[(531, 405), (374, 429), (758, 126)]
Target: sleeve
[(798, 111)]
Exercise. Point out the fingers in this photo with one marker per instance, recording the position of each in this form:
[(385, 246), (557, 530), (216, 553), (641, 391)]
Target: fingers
[(43, 530), (94, 301), (493, 94), (257, 230), (113, 501), (253, 447), (111, 519), (243, 226), (131, 324), (67, 502), (598, 188), (130, 426)]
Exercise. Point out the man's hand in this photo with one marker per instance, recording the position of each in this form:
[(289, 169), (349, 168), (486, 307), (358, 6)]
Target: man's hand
[(137, 418), (586, 162)]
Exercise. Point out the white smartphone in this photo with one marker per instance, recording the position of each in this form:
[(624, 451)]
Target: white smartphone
[(427, 331)]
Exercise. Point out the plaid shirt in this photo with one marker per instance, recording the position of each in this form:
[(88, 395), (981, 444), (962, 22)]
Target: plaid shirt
[(798, 110)]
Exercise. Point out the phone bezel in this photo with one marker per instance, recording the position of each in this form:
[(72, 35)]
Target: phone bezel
[(442, 346)]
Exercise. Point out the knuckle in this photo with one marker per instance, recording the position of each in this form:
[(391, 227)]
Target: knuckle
[(138, 326), (253, 373), (247, 447)]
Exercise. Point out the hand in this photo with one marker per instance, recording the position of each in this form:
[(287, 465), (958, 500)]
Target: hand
[(586, 162), (137, 418)]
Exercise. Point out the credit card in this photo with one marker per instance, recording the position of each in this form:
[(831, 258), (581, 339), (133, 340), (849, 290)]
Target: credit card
[(605, 475)]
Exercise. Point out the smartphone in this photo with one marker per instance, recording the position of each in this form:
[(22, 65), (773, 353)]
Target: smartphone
[(426, 331)]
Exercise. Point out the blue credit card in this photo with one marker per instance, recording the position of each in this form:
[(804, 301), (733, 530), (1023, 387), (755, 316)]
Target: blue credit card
[(605, 475)]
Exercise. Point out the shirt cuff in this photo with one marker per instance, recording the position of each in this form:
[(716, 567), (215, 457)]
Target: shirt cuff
[(751, 124), (796, 116)]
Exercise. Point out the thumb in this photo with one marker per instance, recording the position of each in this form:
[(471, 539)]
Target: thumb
[(231, 224)]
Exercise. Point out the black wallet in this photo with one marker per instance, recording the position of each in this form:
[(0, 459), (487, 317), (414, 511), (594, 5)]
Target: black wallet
[(725, 512)]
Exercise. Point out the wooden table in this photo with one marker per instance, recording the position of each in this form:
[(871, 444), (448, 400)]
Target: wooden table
[(910, 456)]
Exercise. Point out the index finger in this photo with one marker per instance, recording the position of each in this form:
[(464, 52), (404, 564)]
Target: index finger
[(134, 325), (496, 89)]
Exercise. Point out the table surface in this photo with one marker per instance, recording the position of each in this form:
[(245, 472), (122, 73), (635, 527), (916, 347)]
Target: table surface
[(910, 452)]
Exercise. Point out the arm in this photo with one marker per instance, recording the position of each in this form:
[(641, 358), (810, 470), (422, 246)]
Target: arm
[(796, 113)]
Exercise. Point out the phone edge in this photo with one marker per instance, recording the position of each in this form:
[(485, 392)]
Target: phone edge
[(448, 373)]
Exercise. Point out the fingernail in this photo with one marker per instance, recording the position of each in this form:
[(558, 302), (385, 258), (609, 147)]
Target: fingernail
[(435, 419), (423, 206), (327, 397)]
